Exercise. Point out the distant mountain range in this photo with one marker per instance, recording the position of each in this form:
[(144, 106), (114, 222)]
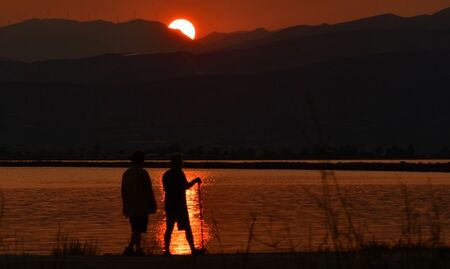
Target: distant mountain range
[(39, 39), (380, 81), (260, 51), (45, 39)]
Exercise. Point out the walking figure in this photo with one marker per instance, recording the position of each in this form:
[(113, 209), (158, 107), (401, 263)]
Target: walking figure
[(175, 185), (138, 202)]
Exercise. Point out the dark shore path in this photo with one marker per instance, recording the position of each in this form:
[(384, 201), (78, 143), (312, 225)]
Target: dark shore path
[(410, 258)]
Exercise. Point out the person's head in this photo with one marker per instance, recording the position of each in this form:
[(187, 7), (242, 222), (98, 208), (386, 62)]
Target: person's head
[(138, 158), (177, 160)]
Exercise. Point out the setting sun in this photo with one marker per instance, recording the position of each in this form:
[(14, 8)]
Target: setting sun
[(185, 26)]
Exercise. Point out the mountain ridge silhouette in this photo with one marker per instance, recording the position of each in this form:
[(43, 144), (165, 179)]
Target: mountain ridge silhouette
[(45, 39), (39, 39)]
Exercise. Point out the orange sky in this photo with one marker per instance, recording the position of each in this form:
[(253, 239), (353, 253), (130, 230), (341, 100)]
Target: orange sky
[(215, 15)]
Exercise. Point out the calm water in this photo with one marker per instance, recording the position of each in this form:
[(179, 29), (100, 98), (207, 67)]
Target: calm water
[(85, 203)]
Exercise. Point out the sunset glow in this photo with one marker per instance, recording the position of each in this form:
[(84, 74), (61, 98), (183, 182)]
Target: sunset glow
[(185, 26)]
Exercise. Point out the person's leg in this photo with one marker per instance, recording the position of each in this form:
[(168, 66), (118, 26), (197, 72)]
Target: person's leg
[(133, 236), (190, 238), (185, 225), (170, 223), (141, 227), (131, 244), (137, 235), (129, 249)]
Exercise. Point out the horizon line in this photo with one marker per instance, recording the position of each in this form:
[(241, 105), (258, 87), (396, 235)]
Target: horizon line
[(117, 22)]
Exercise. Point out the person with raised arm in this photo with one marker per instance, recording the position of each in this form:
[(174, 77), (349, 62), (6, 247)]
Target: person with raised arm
[(175, 185)]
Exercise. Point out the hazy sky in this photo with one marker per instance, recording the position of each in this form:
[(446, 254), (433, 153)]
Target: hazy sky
[(215, 15)]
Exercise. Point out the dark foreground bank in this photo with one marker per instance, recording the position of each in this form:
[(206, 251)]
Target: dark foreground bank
[(411, 258), (300, 165)]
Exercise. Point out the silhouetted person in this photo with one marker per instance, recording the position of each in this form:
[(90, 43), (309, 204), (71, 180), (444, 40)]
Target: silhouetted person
[(175, 186), (138, 201)]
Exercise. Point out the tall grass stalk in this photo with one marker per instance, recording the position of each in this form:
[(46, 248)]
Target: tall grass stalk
[(2, 210), (251, 232), (68, 246), (332, 202), (345, 236), (216, 233), (436, 234), (250, 238)]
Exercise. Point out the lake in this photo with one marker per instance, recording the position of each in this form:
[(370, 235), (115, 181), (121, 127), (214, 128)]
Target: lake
[(279, 208)]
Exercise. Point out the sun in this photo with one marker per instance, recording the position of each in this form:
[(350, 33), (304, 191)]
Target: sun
[(185, 26)]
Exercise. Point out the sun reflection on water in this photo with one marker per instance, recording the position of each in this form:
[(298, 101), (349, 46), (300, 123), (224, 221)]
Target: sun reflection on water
[(179, 245)]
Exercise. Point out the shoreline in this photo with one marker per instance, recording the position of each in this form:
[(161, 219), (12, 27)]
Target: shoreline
[(400, 166), (376, 258)]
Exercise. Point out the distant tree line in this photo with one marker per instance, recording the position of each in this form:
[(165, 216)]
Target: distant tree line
[(98, 152)]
